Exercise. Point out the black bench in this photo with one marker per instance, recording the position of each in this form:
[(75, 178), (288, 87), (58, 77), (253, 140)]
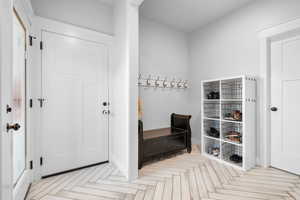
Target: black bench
[(156, 143)]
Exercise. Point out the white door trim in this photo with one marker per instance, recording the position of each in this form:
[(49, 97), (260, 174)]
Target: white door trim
[(42, 24), (264, 123)]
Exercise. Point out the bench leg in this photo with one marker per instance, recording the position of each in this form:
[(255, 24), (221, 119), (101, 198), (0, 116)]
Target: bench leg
[(189, 149)]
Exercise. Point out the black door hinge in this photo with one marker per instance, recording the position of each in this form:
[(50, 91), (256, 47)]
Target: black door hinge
[(30, 103), (41, 45), (31, 38), (41, 100), (41, 161), (31, 164)]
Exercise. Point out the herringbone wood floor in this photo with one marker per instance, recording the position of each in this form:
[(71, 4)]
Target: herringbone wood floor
[(182, 177)]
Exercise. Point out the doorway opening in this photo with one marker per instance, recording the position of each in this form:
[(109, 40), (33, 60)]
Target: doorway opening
[(73, 98)]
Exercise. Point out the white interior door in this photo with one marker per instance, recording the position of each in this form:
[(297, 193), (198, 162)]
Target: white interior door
[(14, 174), (285, 98), (74, 124), (6, 37)]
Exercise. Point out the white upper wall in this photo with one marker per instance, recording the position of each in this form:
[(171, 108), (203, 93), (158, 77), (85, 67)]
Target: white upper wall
[(163, 52), (90, 14), (230, 46), (188, 15)]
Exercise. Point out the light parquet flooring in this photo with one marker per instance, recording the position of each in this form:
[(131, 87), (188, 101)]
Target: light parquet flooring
[(182, 177)]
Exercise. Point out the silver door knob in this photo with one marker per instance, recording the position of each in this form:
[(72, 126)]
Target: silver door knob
[(274, 109), (14, 127)]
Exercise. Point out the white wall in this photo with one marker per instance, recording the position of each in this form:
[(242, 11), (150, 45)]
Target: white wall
[(133, 41), (91, 14), (124, 89), (119, 91), (163, 52), (230, 46)]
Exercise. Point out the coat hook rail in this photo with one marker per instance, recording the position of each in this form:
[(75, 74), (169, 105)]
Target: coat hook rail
[(158, 82)]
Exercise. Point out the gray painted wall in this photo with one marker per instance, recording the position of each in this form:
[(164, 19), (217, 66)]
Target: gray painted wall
[(163, 52)]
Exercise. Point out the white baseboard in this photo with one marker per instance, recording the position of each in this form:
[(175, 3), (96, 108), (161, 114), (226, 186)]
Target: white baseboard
[(121, 167), (258, 163)]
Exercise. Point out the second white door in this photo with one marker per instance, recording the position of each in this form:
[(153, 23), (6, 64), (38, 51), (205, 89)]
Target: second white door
[(74, 121), (285, 82)]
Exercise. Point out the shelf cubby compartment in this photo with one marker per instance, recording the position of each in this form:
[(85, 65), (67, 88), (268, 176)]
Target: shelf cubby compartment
[(232, 89), (210, 145), (232, 132), (211, 110), (209, 87), (231, 107), (212, 128), (229, 150)]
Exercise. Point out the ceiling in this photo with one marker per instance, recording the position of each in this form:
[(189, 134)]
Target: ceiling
[(188, 15)]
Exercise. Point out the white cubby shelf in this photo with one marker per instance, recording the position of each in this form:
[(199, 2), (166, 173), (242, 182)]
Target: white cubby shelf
[(228, 113)]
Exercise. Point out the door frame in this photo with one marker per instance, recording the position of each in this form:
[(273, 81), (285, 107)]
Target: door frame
[(43, 24), (264, 120)]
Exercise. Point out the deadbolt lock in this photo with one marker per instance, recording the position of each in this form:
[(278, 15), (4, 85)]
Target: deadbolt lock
[(105, 103), (8, 109)]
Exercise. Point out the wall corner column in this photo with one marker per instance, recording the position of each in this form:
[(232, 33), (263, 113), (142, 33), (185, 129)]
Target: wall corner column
[(133, 36)]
